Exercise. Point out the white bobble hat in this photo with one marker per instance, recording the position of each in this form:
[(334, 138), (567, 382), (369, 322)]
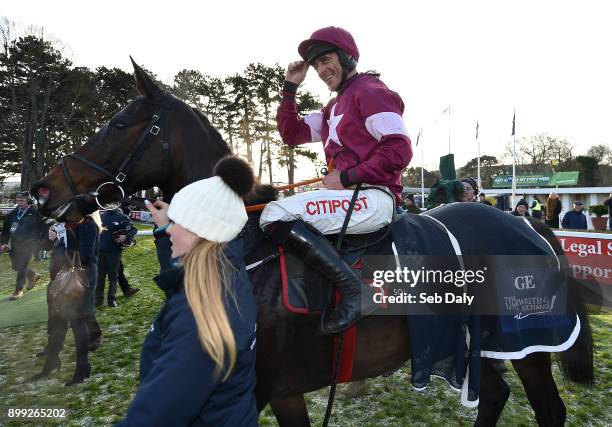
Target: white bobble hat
[(213, 208)]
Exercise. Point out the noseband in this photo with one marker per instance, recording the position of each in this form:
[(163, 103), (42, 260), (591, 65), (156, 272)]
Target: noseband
[(116, 179)]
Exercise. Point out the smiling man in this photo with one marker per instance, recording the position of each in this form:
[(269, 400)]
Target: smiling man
[(363, 132)]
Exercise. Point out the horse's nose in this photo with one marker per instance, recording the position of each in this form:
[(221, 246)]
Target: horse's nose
[(41, 193)]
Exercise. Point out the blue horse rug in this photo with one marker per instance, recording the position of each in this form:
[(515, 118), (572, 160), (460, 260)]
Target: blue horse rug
[(519, 307)]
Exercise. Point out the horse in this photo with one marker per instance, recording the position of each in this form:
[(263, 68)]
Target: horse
[(158, 140)]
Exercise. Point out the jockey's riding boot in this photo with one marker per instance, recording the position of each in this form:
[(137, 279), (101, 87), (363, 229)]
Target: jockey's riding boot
[(318, 253)]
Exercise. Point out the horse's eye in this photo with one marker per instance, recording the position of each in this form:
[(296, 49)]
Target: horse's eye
[(120, 125)]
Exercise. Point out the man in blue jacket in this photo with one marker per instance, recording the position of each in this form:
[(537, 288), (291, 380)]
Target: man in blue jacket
[(117, 229), (575, 219)]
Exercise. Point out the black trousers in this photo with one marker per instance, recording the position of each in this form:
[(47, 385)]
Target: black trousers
[(121, 279), (20, 258), (108, 264)]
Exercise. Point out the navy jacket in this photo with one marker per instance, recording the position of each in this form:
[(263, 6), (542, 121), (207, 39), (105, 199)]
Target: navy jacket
[(574, 220), (114, 221), (177, 387), (31, 228)]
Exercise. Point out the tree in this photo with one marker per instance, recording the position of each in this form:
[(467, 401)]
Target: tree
[(587, 166), (534, 153), (601, 153), (243, 103), (489, 166), (411, 177), (31, 76), (267, 82)]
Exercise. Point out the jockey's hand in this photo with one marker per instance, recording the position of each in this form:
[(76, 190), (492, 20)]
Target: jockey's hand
[(52, 234), (159, 212), (332, 180), (296, 72)]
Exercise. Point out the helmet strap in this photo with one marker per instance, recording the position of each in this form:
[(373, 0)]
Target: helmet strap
[(348, 64)]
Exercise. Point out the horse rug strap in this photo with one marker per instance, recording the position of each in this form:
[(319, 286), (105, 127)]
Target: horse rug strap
[(326, 210)]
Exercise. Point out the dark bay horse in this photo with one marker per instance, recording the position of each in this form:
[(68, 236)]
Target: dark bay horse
[(158, 140)]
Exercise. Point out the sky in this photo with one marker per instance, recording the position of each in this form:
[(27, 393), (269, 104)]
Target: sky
[(550, 61)]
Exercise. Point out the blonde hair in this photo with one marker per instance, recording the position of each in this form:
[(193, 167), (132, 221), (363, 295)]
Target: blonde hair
[(207, 277)]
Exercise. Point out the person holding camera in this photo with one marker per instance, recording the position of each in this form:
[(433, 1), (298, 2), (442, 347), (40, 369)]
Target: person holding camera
[(23, 228), (117, 231)]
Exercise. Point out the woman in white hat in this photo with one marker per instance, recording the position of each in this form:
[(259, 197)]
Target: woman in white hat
[(198, 360)]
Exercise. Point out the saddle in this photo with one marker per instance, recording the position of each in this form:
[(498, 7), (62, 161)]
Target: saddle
[(305, 291)]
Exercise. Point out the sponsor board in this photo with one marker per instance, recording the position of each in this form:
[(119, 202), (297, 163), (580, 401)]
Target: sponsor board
[(589, 255)]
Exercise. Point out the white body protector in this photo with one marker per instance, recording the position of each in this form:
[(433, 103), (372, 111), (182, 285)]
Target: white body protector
[(326, 210)]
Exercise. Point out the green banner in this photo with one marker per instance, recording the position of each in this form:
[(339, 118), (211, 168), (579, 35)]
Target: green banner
[(537, 180)]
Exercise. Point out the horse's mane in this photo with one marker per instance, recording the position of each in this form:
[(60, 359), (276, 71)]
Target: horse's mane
[(261, 193), (219, 146)]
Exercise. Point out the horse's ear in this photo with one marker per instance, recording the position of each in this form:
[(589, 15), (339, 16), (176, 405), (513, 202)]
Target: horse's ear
[(145, 84)]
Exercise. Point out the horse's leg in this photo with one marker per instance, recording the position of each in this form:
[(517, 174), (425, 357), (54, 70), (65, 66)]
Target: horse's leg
[(493, 394), (81, 341), (290, 411), (536, 375)]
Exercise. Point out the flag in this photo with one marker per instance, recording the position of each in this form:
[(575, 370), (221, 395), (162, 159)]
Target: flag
[(445, 111), (477, 129), (418, 137), (513, 123)]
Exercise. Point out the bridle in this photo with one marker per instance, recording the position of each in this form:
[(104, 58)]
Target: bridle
[(157, 123)]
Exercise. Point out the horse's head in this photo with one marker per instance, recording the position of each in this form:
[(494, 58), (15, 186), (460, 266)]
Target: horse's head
[(156, 140)]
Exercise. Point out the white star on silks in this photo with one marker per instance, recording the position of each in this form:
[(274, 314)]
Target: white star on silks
[(333, 124)]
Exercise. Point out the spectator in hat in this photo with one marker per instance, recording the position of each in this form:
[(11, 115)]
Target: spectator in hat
[(197, 365), (575, 219), (521, 208), (409, 205), (483, 199), (470, 189)]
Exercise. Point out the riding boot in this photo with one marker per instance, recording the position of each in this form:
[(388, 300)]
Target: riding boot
[(319, 254)]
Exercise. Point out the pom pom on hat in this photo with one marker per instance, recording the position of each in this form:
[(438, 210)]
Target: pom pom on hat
[(213, 208)]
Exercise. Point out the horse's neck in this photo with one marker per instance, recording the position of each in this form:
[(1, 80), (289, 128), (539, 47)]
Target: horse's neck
[(199, 151)]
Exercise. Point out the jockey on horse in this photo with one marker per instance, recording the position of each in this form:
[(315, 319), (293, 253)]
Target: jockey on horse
[(364, 134)]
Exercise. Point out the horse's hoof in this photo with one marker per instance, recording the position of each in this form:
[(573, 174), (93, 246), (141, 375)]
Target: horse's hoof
[(95, 344), (80, 375)]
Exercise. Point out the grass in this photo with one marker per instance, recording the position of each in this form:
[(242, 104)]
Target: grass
[(103, 399)]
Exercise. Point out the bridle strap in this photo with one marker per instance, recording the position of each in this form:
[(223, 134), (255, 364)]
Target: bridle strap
[(151, 129), (91, 164), (67, 176), (117, 178)]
